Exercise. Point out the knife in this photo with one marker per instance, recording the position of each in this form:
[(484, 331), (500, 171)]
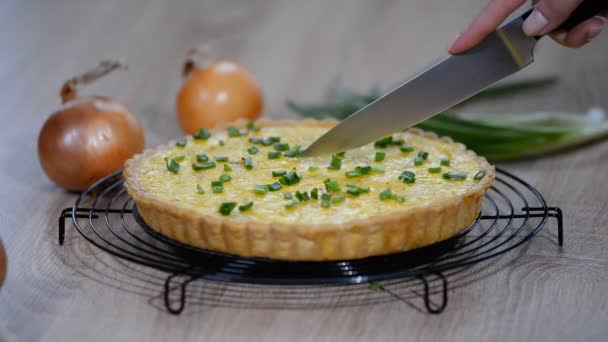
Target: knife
[(443, 85)]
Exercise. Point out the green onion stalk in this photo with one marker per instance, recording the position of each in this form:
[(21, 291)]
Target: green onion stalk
[(497, 137)]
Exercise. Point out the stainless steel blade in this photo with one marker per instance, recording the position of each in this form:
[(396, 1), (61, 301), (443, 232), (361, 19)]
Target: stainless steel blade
[(436, 89)]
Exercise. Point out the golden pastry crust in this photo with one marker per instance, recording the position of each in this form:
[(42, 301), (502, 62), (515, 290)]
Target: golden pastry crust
[(377, 235)]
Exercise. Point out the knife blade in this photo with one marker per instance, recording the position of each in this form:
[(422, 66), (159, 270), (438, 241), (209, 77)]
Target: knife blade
[(456, 78)]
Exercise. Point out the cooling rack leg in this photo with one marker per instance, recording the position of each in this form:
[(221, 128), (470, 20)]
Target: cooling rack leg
[(557, 213), (444, 294), (176, 310), (65, 213)]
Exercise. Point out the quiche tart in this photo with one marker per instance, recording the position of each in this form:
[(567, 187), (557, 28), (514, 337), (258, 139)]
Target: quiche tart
[(245, 190)]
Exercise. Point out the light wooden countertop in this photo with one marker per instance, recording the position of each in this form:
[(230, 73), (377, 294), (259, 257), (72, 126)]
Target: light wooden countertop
[(295, 48)]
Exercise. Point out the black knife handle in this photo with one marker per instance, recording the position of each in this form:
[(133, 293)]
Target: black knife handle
[(587, 9)]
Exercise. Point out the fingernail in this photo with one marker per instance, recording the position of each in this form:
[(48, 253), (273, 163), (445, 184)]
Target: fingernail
[(535, 23), (454, 41), (593, 32)]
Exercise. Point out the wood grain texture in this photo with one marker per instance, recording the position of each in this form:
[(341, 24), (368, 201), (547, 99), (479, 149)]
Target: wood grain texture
[(296, 48)]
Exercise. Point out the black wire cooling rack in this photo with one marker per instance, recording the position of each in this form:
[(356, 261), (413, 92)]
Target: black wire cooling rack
[(512, 213)]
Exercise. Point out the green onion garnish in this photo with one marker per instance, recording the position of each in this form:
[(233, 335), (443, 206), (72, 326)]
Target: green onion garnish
[(246, 206), (253, 150), (480, 174), (290, 178), (354, 192), (331, 186), (179, 158), (399, 199), (227, 168), (199, 189), (337, 198), (248, 164), (226, 208), (278, 173), (378, 169), (225, 178), (203, 166), (313, 168), (386, 195), (340, 154), (291, 204), (302, 196), (336, 163), (444, 162), (202, 134), (261, 189), (274, 155), (251, 126), (407, 177), (201, 158), (287, 195), (352, 174), (255, 140), (181, 142), (435, 169), (325, 197), (275, 186), (234, 132), (281, 147), (379, 156), (218, 189), (456, 176), (418, 160), (364, 170), (290, 154), (325, 204), (314, 193), (217, 183), (352, 185), (406, 149), (384, 142), (423, 154), (270, 140), (222, 159)]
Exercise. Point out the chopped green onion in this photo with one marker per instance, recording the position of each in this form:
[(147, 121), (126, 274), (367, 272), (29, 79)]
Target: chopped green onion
[(278, 173), (275, 186), (378, 169), (274, 155), (281, 147), (325, 204), (251, 126), (179, 158), (364, 169), (384, 142), (444, 162), (227, 168), (352, 174), (337, 198), (354, 192), (270, 140), (217, 183), (313, 168), (423, 154), (253, 150), (255, 140), (290, 178), (406, 149), (352, 185), (379, 156), (302, 196), (291, 204), (246, 206), (287, 195), (418, 160), (325, 197), (480, 174), (435, 169), (222, 159), (340, 154), (234, 132), (248, 164), (218, 189), (289, 154), (199, 189), (407, 177), (386, 195), (202, 158), (456, 176), (331, 186), (261, 189), (202, 134), (226, 208), (203, 166), (399, 199), (225, 178), (336, 163), (314, 193), (181, 142)]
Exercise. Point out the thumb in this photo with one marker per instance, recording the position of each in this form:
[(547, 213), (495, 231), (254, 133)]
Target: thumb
[(548, 15)]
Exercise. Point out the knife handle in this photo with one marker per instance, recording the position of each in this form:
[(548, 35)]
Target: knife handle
[(587, 9)]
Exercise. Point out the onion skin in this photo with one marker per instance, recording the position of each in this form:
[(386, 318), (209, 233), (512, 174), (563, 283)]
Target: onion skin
[(222, 92), (87, 139), (3, 263)]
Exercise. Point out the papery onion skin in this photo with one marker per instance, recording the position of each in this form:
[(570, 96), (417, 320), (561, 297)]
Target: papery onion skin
[(3, 263), (87, 139), (221, 92)]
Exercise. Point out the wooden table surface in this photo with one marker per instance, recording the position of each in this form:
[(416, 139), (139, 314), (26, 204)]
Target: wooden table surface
[(295, 48)]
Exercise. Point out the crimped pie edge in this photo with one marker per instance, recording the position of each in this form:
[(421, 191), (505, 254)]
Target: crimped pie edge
[(377, 235)]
